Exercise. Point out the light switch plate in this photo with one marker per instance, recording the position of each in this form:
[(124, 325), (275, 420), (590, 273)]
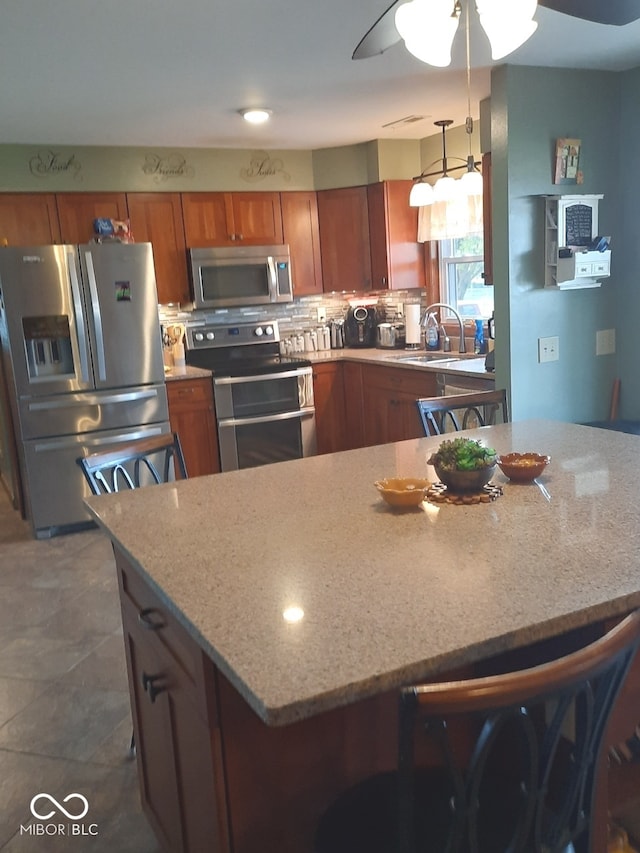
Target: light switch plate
[(548, 349), (605, 342)]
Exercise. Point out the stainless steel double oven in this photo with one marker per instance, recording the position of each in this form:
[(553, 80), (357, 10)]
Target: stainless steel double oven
[(264, 401)]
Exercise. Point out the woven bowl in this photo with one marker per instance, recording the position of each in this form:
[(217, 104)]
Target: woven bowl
[(523, 467), (403, 491)]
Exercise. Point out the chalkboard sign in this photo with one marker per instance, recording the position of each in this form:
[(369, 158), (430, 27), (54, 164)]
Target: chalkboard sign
[(578, 225)]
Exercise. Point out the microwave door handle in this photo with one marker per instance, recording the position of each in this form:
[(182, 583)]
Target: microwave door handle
[(78, 311), (97, 317), (273, 278)]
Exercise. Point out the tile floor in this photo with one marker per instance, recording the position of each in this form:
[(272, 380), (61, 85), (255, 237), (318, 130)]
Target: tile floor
[(65, 721)]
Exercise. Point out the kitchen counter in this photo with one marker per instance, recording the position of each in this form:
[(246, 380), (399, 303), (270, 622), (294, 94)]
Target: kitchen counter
[(467, 365), (387, 597), (187, 372)]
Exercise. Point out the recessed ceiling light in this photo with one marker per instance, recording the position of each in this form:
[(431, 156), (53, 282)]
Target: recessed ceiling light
[(255, 116)]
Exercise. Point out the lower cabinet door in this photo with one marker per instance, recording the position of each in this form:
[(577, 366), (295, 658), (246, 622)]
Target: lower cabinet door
[(155, 747), (178, 749)]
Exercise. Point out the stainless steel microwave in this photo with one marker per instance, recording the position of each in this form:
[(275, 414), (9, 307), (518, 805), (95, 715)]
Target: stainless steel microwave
[(240, 275)]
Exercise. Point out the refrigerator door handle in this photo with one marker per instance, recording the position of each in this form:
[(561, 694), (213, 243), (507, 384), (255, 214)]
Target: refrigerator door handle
[(92, 400), (79, 316), (97, 317), (65, 442)]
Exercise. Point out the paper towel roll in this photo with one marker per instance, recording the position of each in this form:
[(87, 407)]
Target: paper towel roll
[(412, 322)]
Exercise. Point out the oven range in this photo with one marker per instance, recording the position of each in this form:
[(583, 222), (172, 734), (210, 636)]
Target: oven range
[(264, 401)]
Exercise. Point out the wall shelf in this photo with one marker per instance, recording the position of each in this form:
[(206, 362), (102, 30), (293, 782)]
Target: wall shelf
[(571, 224)]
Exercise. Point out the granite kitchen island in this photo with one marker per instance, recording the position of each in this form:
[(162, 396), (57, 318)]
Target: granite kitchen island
[(271, 614)]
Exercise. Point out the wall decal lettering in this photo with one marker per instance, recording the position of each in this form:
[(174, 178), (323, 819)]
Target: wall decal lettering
[(262, 166), (164, 168), (49, 163)]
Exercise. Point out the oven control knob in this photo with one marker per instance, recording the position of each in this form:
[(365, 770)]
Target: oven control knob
[(258, 332), (210, 336), (199, 336), (268, 330)]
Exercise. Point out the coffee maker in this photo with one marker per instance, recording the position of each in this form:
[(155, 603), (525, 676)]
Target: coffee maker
[(360, 325)]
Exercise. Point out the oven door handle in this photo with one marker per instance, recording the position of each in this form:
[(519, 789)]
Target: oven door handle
[(285, 374), (265, 419)]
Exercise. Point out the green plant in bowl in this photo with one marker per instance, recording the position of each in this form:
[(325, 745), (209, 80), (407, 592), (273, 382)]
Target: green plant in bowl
[(464, 464)]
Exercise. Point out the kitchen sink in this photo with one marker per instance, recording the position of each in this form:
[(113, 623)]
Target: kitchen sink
[(425, 358)]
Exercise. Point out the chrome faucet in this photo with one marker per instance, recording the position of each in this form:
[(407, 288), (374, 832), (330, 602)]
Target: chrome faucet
[(462, 348)]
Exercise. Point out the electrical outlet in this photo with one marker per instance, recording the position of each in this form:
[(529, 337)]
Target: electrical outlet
[(322, 314), (548, 349), (400, 310), (606, 342)]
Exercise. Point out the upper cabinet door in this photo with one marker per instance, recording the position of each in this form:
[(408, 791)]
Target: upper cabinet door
[(28, 219), (156, 218), (228, 219), (257, 218), (77, 211), (344, 239), (397, 259), (301, 232)]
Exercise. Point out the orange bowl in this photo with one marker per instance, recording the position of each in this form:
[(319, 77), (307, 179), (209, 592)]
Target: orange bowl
[(523, 467), (403, 491)]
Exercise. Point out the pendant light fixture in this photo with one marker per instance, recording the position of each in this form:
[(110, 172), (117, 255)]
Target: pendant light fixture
[(428, 27), (450, 208)]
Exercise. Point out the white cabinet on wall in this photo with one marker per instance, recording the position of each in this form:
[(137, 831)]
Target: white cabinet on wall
[(571, 228)]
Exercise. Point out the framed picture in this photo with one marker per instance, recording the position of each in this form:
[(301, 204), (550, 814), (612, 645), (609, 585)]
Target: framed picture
[(567, 162)]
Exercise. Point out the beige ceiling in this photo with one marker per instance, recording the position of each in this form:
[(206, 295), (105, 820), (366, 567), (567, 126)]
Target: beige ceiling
[(175, 72)]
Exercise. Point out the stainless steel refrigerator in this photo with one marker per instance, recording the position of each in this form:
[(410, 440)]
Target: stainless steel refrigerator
[(82, 360)]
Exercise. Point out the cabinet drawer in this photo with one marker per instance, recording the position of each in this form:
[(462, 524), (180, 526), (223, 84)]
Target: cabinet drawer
[(186, 392), (398, 379), (141, 604)]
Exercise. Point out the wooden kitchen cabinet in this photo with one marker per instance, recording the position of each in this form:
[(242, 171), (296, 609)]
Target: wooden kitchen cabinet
[(487, 227), (157, 218), (231, 219), (397, 259), (192, 416), (76, 212), (28, 219), (328, 392), (301, 231), (173, 694), (389, 403), (353, 404), (344, 239)]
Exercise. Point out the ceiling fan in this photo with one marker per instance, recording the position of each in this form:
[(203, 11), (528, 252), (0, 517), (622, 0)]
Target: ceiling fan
[(383, 34)]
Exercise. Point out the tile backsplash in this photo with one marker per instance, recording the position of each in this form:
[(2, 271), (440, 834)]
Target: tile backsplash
[(300, 314)]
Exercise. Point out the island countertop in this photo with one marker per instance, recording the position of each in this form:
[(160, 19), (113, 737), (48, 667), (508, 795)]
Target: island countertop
[(385, 597)]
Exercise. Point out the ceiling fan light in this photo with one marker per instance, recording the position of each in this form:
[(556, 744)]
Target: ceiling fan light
[(428, 29), (505, 37), (421, 195)]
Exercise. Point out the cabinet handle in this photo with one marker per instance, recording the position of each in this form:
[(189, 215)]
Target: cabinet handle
[(240, 236), (232, 237), (149, 687), (144, 618)]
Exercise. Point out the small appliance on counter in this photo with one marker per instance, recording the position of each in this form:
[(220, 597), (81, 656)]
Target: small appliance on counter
[(360, 325), (391, 335)]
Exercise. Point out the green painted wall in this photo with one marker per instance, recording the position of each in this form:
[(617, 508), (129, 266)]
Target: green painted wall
[(530, 109), (42, 168)]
